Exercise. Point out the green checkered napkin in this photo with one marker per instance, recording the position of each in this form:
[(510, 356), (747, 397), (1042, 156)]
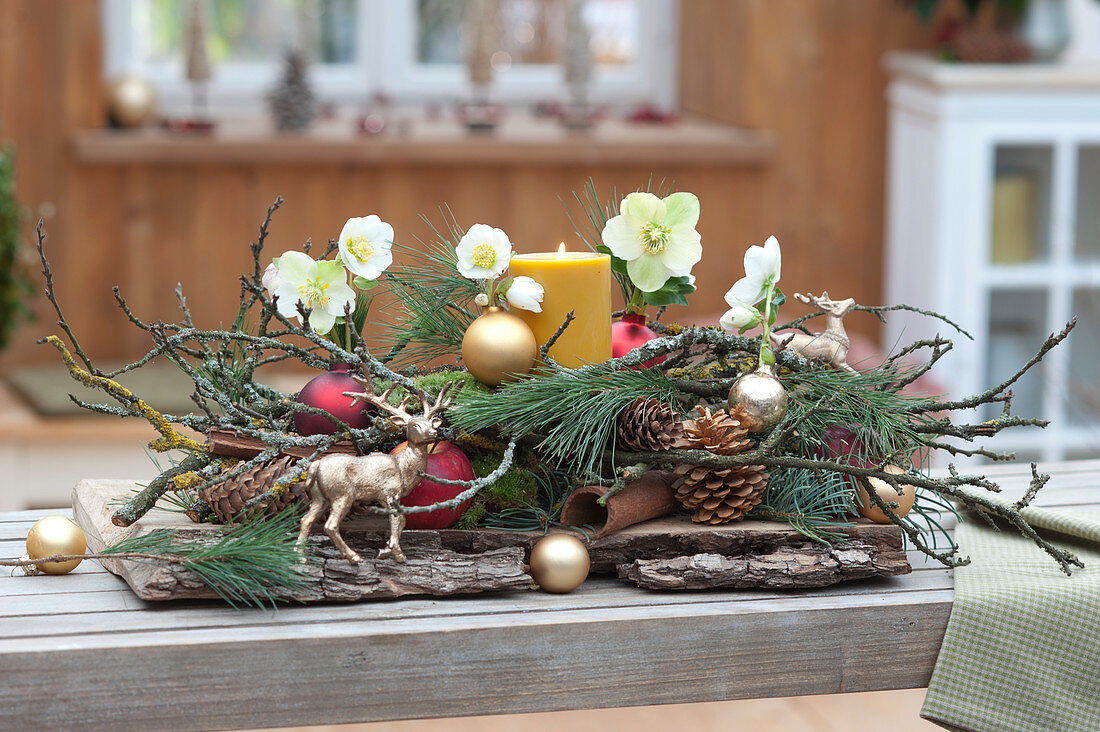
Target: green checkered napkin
[(1022, 648)]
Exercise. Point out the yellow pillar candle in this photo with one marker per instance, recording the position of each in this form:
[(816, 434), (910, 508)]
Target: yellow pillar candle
[(577, 281)]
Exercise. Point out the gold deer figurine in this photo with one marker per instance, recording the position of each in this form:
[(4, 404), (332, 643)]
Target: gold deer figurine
[(337, 482), (830, 346)]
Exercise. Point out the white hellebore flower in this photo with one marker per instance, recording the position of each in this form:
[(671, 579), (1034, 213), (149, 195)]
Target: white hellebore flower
[(525, 293), (762, 266), (656, 237), (365, 246), (271, 279), (481, 300), (483, 253), (740, 316), (320, 286)]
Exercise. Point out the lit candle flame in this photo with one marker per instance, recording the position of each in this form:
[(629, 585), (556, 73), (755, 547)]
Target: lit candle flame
[(561, 250)]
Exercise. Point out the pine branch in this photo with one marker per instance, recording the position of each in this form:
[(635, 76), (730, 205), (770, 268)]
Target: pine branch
[(253, 564), (574, 412)]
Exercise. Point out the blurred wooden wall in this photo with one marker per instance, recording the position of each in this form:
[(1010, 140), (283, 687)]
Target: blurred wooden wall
[(807, 70)]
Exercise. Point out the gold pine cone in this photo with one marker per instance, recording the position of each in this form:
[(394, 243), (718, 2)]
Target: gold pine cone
[(648, 424), (718, 495)]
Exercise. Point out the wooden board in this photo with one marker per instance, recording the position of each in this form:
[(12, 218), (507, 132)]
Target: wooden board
[(429, 570), (606, 645), (749, 553)]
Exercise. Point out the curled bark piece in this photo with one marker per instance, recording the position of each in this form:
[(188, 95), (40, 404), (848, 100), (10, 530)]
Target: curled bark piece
[(647, 498)]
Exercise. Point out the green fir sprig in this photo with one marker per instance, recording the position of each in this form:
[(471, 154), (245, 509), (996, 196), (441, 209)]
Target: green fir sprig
[(573, 412), (434, 303), (884, 418), (812, 502), (256, 563)]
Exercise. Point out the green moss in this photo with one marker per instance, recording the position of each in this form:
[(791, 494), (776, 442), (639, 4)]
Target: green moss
[(517, 487), (435, 381), (432, 383)]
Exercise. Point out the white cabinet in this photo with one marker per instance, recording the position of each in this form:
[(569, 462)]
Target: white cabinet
[(993, 219)]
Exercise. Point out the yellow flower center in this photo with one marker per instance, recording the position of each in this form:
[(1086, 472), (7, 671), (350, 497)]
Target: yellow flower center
[(654, 237), (312, 293), (361, 247), (484, 255)]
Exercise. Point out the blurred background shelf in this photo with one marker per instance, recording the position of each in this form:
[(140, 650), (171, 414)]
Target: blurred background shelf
[(994, 178), (521, 140)]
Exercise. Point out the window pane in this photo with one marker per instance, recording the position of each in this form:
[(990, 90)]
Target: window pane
[(1088, 203), (249, 31), (532, 31), (1083, 387), (1021, 204), (1017, 327)]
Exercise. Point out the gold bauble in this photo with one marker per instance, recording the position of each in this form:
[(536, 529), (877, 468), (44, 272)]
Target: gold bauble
[(56, 535), (131, 101), (498, 347), (758, 400), (886, 492), (559, 563)]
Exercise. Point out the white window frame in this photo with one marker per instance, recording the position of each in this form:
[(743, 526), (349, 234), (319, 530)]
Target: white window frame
[(386, 62)]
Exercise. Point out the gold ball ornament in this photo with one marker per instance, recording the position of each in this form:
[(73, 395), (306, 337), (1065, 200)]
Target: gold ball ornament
[(758, 400), (56, 535), (131, 101), (886, 492), (498, 347), (559, 563)]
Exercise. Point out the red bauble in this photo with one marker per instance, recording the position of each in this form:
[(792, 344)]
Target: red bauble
[(327, 392), (445, 461), (629, 333)]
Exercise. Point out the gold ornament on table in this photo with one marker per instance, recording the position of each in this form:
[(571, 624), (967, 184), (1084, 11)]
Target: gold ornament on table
[(498, 346), (831, 345), (131, 101), (53, 536), (337, 482), (718, 495), (758, 399), (868, 509), (559, 563)]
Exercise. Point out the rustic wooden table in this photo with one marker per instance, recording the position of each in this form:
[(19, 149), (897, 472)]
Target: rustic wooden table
[(83, 650)]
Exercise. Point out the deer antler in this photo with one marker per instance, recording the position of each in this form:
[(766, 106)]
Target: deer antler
[(443, 399), (399, 414), (821, 303)]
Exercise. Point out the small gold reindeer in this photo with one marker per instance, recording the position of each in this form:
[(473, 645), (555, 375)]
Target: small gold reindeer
[(337, 482), (831, 346)]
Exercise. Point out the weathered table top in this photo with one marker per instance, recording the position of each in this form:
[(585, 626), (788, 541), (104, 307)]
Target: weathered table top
[(82, 649)]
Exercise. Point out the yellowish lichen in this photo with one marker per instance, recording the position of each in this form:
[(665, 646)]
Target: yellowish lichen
[(170, 439)]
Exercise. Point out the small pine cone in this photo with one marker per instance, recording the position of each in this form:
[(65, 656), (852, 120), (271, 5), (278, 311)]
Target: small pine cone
[(230, 496), (719, 432), (718, 495), (648, 424)]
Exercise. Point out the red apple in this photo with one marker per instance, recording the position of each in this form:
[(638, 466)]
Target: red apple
[(446, 461)]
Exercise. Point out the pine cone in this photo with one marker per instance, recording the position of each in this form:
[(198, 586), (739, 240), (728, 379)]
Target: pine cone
[(718, 495), (648, 424), (230, 496), (293, 103)]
